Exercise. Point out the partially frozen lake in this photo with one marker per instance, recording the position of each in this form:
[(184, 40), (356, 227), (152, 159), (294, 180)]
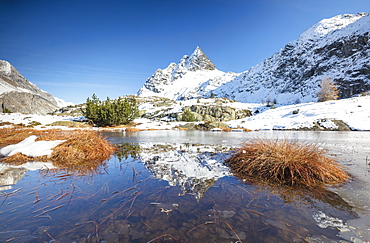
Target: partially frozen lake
[(172, 186)]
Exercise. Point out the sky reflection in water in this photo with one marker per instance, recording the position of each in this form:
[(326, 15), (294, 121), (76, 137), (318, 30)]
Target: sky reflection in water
[(160, 187)]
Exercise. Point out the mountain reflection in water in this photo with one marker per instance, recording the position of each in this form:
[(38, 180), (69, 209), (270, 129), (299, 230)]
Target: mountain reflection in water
[(158, 191)]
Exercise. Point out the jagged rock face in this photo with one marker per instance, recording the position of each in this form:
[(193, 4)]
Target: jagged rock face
[(17, 94), (158, 79), (24, 102), (338, 48), (194, 76), (197, 61)]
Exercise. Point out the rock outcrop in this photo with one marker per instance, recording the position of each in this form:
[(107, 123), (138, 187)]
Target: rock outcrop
[(218, 113), (17, 94)]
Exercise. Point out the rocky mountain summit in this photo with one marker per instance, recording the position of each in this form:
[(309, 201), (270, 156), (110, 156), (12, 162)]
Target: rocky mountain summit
[(337, 48), (17, 94), (193, 76)]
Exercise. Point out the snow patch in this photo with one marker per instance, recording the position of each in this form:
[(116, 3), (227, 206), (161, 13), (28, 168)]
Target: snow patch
[(62, 103), (30, 147)]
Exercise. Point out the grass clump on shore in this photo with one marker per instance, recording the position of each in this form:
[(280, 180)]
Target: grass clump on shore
[(16, 134), (82, 150), (284, 162), (69, 124)]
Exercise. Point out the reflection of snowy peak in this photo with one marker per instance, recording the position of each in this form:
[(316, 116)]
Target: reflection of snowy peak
[(17, 94), (193, 76), (11, 174), (194, 171), (338, 48)]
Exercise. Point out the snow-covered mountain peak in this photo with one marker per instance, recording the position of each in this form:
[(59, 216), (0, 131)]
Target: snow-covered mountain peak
[(193, 76), (197, 52), (326, 26), (196, 61), (5, 67), (336, 47)]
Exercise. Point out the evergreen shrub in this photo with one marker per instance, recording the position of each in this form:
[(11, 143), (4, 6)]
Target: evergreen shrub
[(111, 112)]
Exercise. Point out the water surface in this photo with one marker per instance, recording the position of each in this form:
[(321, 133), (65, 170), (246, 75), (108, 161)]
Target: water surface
[(172, 186)]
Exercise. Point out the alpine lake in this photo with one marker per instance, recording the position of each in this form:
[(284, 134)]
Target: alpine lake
[(173, 186)]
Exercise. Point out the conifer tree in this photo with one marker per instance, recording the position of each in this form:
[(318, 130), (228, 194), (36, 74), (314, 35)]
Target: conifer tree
[(329, 90), (110, 112), (188, 116)]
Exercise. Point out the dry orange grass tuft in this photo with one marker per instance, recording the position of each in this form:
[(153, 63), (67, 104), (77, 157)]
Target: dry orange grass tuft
[(180, 128), (83, 149), (286, 162), (132, 129), (247, 130), (16, 134)]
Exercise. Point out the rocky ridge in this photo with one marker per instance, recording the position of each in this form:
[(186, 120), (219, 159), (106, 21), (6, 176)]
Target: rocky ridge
[(338, 48), (193, 76), (17, 94)]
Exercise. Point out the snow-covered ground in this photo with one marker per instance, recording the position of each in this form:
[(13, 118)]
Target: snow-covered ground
[(30, 147), (355, 112), (45, 120)]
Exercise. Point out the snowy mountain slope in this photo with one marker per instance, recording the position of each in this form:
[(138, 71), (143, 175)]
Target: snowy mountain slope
[(338, 48), (17, 94), (193, 76)]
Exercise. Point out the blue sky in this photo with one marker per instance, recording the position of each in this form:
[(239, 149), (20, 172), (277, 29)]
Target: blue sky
[(74, 48)]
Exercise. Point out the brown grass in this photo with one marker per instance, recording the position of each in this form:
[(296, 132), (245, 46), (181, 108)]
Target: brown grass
[(70, 124), (286, 162), (225, 129), (83, 149), (180, 128), (132, 129), (16, 134)]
